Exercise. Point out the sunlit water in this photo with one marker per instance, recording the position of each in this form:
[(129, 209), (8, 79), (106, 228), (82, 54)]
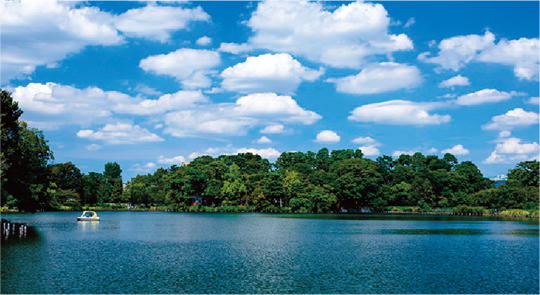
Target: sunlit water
[(160, 252)]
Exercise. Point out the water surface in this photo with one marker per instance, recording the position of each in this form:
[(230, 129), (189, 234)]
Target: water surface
[(162, 252)]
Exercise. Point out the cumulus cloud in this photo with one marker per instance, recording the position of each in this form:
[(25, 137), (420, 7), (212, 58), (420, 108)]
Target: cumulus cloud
[(93, 147), (144, 89), (190, 67), (120, 133), (456, 52), (399, 112), (457, 150), (203, 41), (264, 139), (274, 107), (370, 150), (369, 147), (43, 33), (522, 54), (53, 105), (178, 160), (36, 33), (237, 118), (484, 96), (432, 151), (168, 102), (146, 168), (365, 140), (504, 134), (495, 158), (327, 136), (273, 129), (513, 145), (379, 78), (342, 38), (512, 150), (534, 100), (157, 22), (512, 119), (455, 81), (268, 72)]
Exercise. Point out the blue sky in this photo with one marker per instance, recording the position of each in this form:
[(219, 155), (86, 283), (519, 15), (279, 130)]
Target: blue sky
[(152, 84)]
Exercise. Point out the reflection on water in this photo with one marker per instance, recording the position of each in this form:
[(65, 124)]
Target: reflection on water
[(88, 225), (161, 252)]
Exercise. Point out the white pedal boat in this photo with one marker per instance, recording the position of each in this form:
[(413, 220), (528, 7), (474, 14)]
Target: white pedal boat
[(88, 216)]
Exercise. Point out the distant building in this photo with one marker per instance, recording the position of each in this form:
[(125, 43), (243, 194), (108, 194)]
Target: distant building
[(499, 180), (185, 164)]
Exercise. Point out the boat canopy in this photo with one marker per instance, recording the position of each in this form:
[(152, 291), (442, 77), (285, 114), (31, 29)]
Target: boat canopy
[(89, 214)]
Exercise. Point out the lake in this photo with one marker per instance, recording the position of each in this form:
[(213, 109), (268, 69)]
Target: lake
[(166, 252)]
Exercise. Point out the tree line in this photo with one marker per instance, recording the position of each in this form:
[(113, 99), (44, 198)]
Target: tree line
[(322, 181)]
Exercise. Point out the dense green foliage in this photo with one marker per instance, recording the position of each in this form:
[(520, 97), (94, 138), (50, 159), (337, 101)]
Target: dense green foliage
[(297, 182)]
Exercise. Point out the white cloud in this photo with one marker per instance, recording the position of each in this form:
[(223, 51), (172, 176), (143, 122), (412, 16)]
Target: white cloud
[(42, 33), (120, 133), (369, 147), (399, 153), (432, 151), (144, 89), (370, 150), (157, 22), (237, 118), (204, 41), (178, 160), (485, 96), (504, 134), (268, 72), (93, 147), (448, 95), (274, 107), (534, 100), (36, 33), (399, 112), (511, 150), (343, 38), (264, 139), (327, 136), (379, 78), (495, 158), (455, 81), (268, 153), (514, 118), (168, 102), (190, 67), (52, 105), (409, 22), (365, 140), (273, 129), (146, 168), (522, 54), (513, 145), (456, 52), (235, 48), (457, 150)]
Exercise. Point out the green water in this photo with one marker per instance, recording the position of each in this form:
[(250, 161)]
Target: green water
[(160, 252)]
